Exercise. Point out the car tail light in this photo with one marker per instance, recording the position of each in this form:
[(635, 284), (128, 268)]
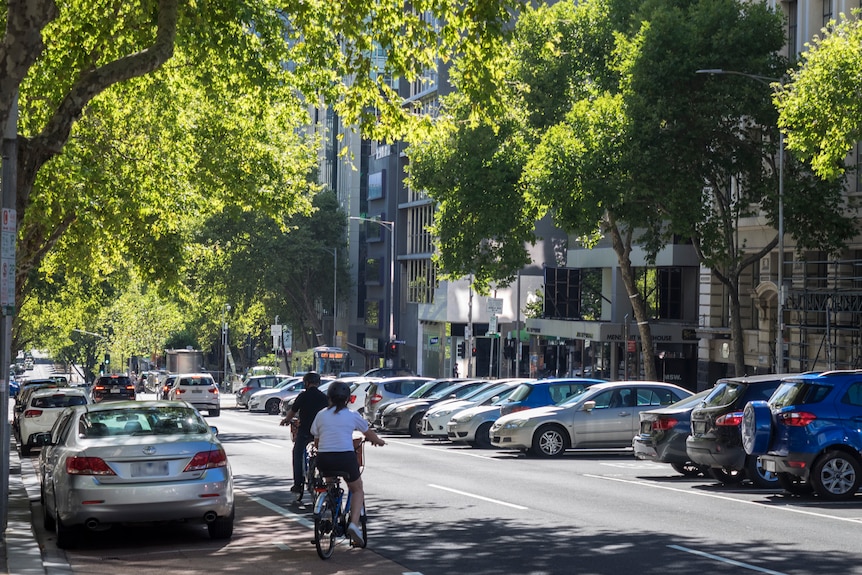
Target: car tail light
[(244, 390), (214, 390), (99, 388), (207, 460), (375, 398), (664, 423), (733, 419), (180, 391), (87, 466), (352, 399), (796, 418), (33, 413)]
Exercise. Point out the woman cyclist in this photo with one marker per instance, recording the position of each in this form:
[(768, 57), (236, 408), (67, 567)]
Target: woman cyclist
[(333, 429)]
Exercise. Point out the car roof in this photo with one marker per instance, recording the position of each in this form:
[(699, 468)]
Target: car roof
[(194, 374), (58, 390)]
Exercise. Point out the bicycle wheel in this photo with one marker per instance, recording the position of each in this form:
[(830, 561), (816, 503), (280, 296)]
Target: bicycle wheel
[(324, 527), (363, 524)]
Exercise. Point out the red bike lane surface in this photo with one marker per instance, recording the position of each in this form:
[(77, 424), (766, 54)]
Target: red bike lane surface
[(264, 541)]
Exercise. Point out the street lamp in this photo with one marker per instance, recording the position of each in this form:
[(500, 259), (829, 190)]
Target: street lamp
[(225, 310), (779, 320), (391, 227)]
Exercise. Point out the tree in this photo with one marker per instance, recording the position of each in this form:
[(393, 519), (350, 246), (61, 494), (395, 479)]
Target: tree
[(82, 70), (819, 105)]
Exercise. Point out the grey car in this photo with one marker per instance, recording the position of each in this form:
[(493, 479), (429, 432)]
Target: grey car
[(131, 462), (406, 416), (256, 383), (385, 390)]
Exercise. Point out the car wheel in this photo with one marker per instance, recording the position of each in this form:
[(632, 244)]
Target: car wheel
[(836, 475), (222, 527), (47, 519), (758, 475), (273, 406), (483, 436), (688, 469), (214, 412), (25, 450), (756, 427), (67, 537), (793, 484), (549, 441), (726, 475), (416, 425)]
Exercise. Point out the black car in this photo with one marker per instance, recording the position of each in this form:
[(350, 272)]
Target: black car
[(663, 432), (112, 388), (716, 436)]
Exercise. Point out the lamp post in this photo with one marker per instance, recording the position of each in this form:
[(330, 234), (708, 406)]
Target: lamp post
[(391, 227), (779, 320), (225, 310)]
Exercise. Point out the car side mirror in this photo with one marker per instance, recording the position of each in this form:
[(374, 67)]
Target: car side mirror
[(43, 438), (214, 429), (589, 405)]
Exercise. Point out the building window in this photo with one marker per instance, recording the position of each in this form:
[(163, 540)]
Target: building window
[(372, 313), (421, 281), (669, 293), (792, 28), (827, 12), (419, 237), (373, 271)]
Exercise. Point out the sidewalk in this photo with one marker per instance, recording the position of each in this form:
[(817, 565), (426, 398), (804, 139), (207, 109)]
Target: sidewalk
[(19, 548)]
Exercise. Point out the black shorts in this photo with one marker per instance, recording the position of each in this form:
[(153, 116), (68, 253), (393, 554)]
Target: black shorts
[(343, 463)]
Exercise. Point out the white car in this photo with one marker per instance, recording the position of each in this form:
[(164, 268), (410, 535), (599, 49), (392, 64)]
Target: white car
[(358, 389), (42, 410), (198, 389), (436, 420), (269, 400)]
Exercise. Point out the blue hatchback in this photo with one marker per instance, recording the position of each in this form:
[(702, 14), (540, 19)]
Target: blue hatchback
[(810, 433), (544, 392)]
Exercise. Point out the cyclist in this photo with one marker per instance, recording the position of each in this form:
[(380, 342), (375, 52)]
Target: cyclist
[(333, 430), (306, 404)]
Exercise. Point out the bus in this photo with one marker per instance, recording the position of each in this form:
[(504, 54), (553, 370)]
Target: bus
[(330, 360)]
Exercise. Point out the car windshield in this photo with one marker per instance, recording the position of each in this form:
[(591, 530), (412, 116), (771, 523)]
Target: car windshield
[(724, 393), (798, 393), (197, 380), (446, 391), (575, 398), (484, 393), (503, 396), (284, 382), (165, 420), (421, 390), (692, 401), (58, 400)]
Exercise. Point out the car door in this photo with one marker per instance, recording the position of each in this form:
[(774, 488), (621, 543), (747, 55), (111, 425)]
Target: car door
[(609, 423)]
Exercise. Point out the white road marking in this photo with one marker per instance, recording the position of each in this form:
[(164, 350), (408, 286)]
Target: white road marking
[(488, 499), (281, 510), (728, 561), (726, 498), (463, 452), (267, 443)]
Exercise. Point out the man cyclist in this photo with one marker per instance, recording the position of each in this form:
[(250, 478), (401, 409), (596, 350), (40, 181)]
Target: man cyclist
[(306, 404), (333, 429)]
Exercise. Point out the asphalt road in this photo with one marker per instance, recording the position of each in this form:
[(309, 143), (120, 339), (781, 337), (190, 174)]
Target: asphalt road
[(439, 509)]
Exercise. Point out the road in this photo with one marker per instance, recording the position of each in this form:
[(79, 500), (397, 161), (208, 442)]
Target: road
[(435, 508)]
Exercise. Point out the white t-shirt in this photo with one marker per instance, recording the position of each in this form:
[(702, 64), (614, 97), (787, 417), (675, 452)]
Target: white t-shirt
[(334, 431)]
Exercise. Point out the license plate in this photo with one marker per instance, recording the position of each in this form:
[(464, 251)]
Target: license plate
[(699, 427), (115, 390), (150, 469), (646, 427), (197, 391), (768, 465)]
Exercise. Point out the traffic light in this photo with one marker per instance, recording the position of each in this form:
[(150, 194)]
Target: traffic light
[(474, 351), (461, 348), (391, 350)]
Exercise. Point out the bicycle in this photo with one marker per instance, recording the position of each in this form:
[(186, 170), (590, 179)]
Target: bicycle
[(332, 513), (309, 471)]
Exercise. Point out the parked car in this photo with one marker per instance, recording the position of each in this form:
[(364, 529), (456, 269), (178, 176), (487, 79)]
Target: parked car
[(406, 416), (42, 410), (716, 438), (28, 388), (604, 415), (390, 388), (808, 433), (472, 425), (538, 393), (388, 372), (269, 400), (165, 390), (358, 391), (112, 388), (255, 383), (663, 433), (129, 462), (198, 389), (287, 402), (423, 390), (436, 418)]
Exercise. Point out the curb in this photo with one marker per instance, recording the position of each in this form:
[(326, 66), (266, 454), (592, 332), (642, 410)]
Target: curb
[(21, 552)]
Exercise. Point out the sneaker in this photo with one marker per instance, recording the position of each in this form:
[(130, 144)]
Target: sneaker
[(296, 489), (355, 534)]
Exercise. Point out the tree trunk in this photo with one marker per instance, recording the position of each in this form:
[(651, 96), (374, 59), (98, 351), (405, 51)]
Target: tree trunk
[(623, 248)]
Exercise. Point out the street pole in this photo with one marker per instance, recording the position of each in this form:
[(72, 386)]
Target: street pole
[(779, 311), (224, 380)]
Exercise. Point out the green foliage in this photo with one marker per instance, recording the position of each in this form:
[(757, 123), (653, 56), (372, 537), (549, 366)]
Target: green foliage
[(820, 104)]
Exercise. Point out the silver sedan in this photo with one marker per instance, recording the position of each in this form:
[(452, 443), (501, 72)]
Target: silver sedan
[(136, 461)]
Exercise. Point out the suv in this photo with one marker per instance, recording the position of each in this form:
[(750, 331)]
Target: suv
[(198, 389), (808, 433), (256, 383), (716, 440), (112, 388)]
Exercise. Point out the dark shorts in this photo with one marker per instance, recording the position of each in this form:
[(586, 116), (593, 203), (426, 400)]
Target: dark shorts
[(343, 463)]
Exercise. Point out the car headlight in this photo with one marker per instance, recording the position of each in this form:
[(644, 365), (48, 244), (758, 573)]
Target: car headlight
[(515, 424), (462, 418), (443, 413), (399, 409)]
